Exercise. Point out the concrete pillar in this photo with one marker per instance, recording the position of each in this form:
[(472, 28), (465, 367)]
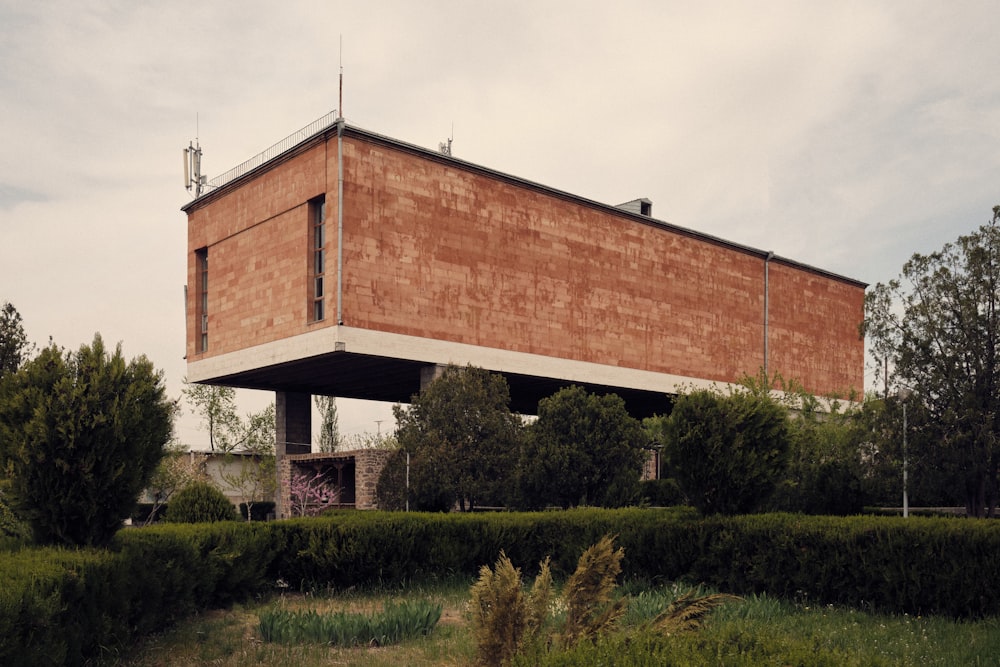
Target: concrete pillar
[(430, 373), (292, 435), (292, 423)]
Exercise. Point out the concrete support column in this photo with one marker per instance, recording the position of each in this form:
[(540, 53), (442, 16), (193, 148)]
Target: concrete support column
[(292, 435), (430, 373), (292, 423)]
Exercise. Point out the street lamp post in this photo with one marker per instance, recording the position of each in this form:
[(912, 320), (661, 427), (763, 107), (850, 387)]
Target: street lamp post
[(906, 500), (904, 394)]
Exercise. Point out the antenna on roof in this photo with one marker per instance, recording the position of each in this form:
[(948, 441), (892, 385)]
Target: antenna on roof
[(340, 99), (445, 147), (193, 178)]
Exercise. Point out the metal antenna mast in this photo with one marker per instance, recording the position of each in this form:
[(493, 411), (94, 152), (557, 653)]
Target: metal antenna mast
[(193, 178), (340, 96)]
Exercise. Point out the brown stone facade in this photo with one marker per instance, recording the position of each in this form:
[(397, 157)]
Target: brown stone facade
[(439, 249)]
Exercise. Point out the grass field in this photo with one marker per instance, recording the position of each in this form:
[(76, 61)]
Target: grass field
[(753, 631)]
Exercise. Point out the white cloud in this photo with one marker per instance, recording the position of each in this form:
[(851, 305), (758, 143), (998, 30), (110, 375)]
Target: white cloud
[(845, 135)]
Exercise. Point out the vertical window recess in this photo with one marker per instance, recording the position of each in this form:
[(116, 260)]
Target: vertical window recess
[(317, 214), (201, 307)]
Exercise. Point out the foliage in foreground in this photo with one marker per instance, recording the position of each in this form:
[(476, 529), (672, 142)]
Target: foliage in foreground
[(64, 607), (507, 623), (396, 622), (757, 631), (80, 435)]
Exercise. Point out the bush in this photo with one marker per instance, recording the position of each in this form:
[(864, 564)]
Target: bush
[(661, 493), (830, 487), (200, 502), (13, 531), (64, 607), (726, 452), (584, 449)]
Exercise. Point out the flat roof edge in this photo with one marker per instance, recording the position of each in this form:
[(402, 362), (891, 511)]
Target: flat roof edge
[(350, 130)]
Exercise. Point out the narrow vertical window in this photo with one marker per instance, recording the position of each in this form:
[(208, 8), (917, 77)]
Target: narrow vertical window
[(317, 213), (201, 307)]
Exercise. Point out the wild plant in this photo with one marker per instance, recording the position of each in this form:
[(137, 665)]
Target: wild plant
[(590, 609), (503, 618)]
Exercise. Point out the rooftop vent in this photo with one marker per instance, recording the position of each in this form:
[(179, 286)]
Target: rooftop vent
[(641, 206)]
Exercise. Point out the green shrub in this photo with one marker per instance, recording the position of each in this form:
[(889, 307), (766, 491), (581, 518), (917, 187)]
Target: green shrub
[(661, 493), (727, 452), (14, 532), (200, 502), (66, 607), (82, 433)]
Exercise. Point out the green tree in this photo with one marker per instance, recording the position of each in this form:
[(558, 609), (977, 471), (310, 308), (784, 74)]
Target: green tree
[(253, 474), (828, 441), (462, 439), (14, 346), (584, 449), (937, 327), (250, 467), (82, 434), (825, 465), (329, 428), (227, 431), (727, 452)]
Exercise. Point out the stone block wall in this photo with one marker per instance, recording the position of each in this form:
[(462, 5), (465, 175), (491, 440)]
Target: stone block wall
[(439, 249)]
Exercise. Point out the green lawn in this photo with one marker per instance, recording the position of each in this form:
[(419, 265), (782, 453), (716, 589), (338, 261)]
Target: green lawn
[(753, 631)]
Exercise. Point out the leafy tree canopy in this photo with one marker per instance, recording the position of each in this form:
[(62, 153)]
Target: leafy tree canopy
[(227, 431), (81, 435), (937, 329), (727, 452), (584, 449), (462, 438), (14, 346)]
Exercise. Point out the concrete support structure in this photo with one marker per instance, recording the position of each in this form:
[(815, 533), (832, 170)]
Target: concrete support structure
[(430, 373), (292, 422), (292, 436)]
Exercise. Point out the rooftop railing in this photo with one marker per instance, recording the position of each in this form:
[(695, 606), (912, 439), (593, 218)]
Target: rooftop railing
[(274, 151)]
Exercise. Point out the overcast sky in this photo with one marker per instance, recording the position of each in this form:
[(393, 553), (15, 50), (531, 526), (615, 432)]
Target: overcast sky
[(846, 135)]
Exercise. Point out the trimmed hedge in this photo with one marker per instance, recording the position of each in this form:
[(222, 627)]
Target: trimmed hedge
[(64, 607)]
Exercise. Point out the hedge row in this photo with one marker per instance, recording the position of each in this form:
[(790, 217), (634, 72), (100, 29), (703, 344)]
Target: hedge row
[(61, 607)]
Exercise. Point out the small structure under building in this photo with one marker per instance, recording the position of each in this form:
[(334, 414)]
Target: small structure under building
[(312, 483)]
